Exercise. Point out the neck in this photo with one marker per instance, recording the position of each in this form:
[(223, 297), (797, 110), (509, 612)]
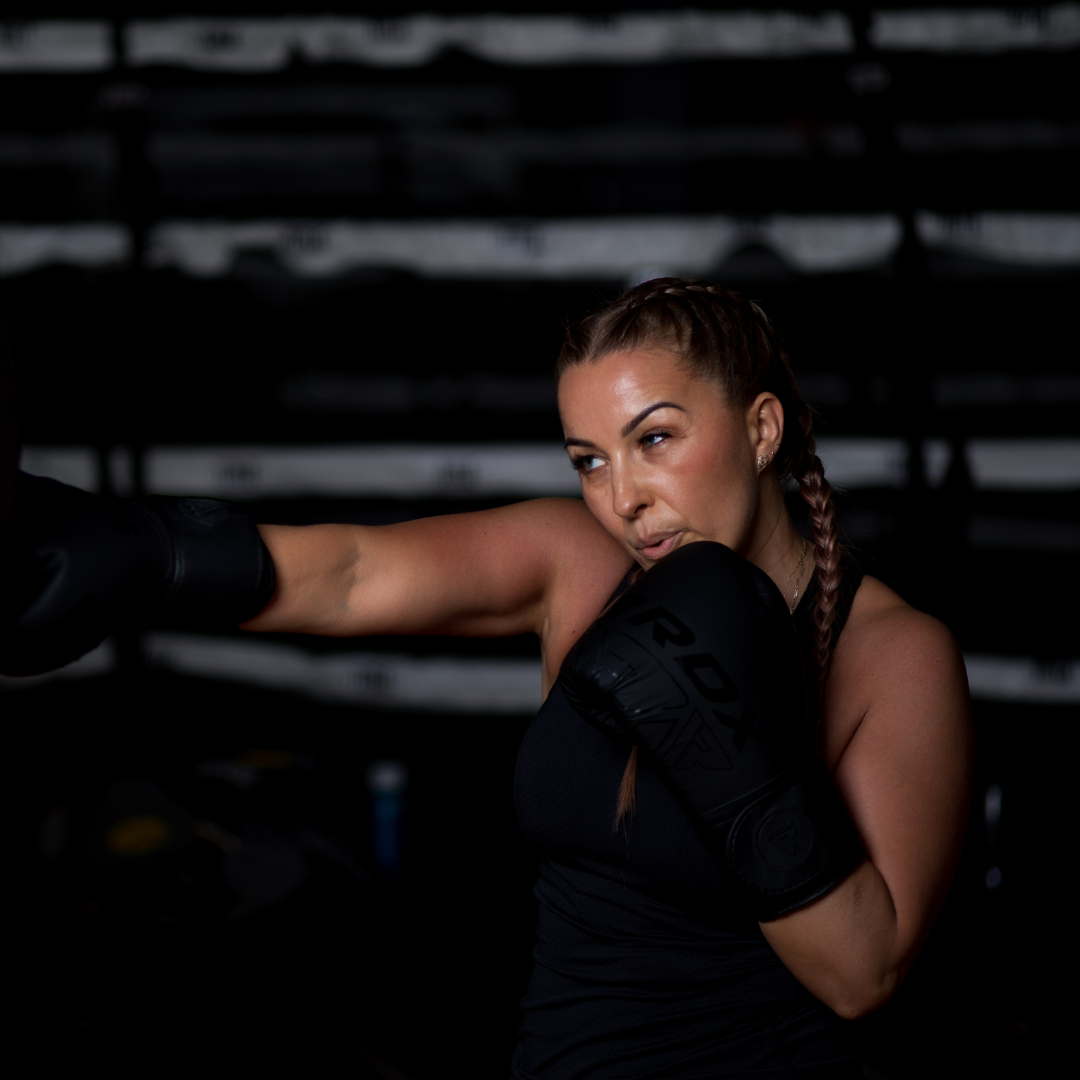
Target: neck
[(775, 545)]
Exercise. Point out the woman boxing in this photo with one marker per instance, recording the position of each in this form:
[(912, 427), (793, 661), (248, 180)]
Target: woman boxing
[(733, 857)]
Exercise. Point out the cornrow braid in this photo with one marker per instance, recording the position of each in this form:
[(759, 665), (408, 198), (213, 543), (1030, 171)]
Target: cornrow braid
[(723, 337), (816, 491), (809, 473)]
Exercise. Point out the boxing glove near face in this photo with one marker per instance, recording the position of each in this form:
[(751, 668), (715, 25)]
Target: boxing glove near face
[(698, 663), (75, 567)]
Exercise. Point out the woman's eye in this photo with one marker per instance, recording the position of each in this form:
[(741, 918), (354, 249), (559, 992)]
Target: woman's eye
[(653, 438), (586, 462)]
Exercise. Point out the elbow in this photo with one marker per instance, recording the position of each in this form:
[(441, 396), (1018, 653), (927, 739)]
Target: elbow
[(853, 999)]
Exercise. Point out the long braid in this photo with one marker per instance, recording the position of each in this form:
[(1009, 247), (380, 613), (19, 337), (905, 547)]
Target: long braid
[(817, 492), (807, 470), (726, 338)]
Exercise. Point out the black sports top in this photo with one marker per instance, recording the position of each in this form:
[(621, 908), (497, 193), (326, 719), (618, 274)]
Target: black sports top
[(644, 966)]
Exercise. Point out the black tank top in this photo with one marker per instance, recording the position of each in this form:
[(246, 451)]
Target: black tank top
[(644, 965)]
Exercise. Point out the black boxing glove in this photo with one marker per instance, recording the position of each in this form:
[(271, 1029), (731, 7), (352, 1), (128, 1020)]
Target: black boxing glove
[(75, 567), (698, 663)]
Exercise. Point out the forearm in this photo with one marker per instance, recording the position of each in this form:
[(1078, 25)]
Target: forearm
[(905, 777), (316, 570), (850, 948)]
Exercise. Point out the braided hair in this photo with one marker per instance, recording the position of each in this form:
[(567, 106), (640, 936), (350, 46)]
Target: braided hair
[(724, 338)]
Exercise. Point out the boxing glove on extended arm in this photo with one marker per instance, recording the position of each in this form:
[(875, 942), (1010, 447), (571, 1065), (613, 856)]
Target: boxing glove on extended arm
[(698, 663), (75, 567)]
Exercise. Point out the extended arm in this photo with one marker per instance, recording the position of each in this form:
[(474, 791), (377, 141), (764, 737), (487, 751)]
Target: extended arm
[(76, 567), (487, 573), (905, 775)]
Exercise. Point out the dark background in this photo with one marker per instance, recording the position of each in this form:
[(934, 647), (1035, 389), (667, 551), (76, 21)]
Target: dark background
[(268, 932)]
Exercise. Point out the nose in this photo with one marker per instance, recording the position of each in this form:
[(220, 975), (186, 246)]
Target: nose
[(629, 494)]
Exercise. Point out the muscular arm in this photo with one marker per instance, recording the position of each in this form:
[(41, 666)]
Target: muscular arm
[(488, 573), (905, 775)]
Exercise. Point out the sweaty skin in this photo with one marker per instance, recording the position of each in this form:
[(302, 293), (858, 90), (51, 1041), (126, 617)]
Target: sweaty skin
[(666, 460)]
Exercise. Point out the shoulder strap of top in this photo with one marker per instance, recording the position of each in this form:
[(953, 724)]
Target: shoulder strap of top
[(850, 580), (627, 581)]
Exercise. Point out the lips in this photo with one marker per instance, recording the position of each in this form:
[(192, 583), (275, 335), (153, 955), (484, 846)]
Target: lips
[(658, 545)]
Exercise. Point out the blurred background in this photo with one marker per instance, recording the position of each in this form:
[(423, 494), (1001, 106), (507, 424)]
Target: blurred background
[(320, 264)]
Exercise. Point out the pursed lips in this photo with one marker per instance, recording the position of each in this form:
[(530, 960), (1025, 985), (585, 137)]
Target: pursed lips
[(657, 545)]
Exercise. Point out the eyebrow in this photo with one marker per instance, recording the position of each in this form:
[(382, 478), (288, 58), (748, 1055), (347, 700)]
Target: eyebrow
[(630, 425)]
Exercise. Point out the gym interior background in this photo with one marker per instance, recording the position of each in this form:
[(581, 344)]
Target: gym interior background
[(320, 265)]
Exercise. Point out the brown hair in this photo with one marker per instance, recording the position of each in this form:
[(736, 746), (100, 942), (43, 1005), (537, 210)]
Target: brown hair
[(724, 338)]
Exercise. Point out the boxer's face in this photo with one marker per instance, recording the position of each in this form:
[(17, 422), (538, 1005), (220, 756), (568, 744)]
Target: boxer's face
[(664, 458)]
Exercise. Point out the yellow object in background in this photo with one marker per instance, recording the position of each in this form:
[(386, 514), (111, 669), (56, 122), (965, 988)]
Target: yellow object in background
[(138, 835)]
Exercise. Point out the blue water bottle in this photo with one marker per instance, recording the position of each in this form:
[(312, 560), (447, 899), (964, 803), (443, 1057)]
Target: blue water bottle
[(387, 781)]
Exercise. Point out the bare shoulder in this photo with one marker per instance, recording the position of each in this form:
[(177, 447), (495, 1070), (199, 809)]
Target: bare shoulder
[(566, 522), (587, 565), (586, 561), (541, 536), (892, 664), (576, 544), (885, 633)]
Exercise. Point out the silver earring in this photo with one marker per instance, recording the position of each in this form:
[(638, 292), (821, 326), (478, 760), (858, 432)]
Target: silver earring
[(762, 461)]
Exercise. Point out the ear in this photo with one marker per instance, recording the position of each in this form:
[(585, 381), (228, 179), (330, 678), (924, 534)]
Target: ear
[(765, 427)]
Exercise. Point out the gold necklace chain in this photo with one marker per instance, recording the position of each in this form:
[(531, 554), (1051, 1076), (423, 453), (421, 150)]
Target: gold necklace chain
[(795, 598)]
